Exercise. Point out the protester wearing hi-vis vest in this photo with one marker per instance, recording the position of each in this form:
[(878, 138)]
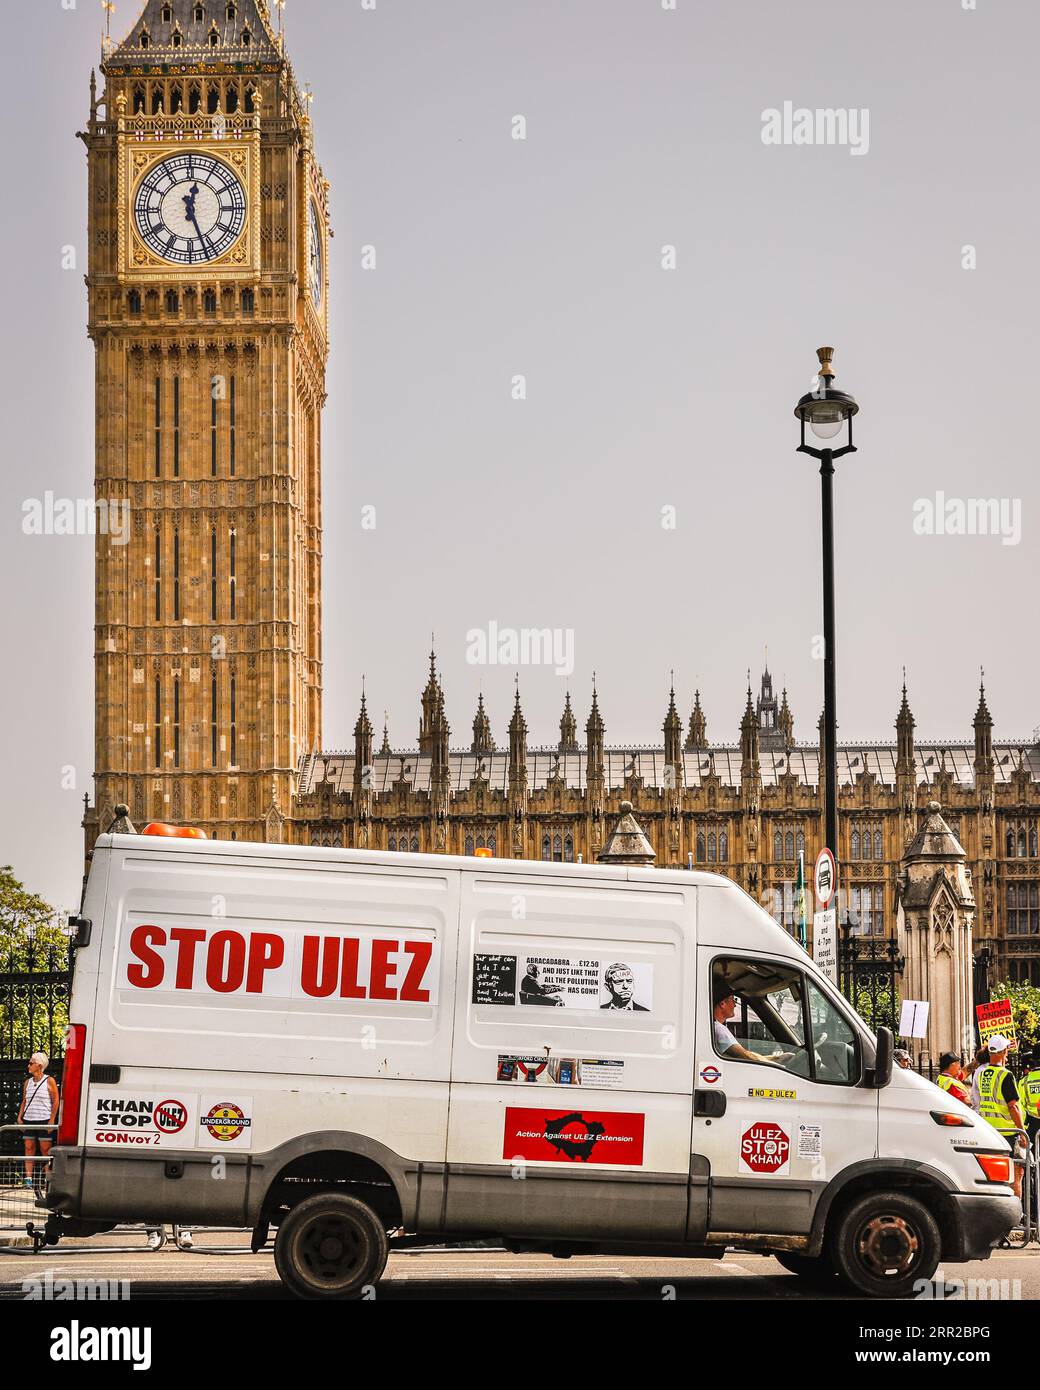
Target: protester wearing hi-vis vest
[(950, 1077), (1029, 1094), (999, 1101)]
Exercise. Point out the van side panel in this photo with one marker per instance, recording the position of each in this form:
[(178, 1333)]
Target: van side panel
[(250, 1003), (571, 1101)]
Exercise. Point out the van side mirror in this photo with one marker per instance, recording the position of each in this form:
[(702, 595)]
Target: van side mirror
[(881, 1074)]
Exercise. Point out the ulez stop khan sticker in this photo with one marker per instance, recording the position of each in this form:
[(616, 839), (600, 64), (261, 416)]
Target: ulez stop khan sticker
[(765, 1148)]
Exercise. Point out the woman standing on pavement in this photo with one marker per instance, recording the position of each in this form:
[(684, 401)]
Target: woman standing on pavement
[(39, 1107)]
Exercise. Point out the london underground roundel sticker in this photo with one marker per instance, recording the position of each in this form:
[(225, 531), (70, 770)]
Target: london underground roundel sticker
[(710, 1074), (225, 1121)]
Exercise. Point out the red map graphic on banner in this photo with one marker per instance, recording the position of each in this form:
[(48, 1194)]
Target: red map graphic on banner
[(574, 1136)]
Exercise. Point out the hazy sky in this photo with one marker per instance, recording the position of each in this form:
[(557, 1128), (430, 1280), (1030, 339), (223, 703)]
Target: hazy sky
[(646, 388)]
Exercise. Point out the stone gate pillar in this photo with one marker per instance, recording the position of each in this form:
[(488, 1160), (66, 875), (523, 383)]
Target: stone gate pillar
[(935, 916)]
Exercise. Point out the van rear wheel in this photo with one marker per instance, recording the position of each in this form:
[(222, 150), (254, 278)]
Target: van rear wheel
[(329, 1247), (884, 1244)]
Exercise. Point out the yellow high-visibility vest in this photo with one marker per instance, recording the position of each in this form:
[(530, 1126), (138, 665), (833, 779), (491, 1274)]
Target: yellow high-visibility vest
[(1029, 1090), (992, 1105), (956, 1088)]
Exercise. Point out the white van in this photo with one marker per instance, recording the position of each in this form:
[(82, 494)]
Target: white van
[(364, 1049)]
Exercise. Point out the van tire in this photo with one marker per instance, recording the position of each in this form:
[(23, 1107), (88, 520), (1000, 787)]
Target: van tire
[(330, 1247), (816, 1270), (884, 1243)]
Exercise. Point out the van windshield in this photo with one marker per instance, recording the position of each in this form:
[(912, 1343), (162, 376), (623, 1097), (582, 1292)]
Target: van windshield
[(764, 1012)]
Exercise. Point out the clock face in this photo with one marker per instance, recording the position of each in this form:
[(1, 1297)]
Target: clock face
[(190, 208), (317, 279)]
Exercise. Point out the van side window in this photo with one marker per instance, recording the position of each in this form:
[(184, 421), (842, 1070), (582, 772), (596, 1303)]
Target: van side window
[(834, 1042), (761, 1012), (758, 1014)]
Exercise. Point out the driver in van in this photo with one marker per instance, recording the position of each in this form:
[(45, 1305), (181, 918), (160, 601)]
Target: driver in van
[(725, 1002)]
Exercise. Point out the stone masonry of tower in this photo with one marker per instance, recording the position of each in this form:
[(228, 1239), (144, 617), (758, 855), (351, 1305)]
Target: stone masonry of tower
[(210, 379), (744, 809)]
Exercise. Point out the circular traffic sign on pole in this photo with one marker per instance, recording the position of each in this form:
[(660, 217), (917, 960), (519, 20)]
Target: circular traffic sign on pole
[(825, 879)]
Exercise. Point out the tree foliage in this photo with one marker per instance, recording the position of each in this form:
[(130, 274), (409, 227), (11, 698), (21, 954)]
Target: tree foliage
[(34, 960), (1025, 1011)]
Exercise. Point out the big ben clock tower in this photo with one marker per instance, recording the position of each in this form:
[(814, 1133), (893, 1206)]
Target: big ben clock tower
[(207, 308)]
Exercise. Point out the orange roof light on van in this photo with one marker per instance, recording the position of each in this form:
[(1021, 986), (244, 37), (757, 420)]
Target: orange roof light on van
[(185, 832), (482, 853)]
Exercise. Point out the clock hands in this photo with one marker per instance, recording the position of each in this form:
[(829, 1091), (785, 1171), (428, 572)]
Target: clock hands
[(189, 213)]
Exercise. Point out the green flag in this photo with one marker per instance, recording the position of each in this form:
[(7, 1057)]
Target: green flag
[(803, 923)]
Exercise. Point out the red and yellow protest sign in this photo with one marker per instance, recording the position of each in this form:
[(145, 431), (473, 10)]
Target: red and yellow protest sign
[(996, 1017)]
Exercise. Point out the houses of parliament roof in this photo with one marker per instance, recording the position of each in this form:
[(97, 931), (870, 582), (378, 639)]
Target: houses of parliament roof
[(769, 723)]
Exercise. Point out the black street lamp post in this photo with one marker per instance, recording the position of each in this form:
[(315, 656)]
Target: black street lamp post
[(827, 411)]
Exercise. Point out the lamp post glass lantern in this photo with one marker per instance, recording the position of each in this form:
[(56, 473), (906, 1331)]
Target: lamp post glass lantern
[(827, 412)]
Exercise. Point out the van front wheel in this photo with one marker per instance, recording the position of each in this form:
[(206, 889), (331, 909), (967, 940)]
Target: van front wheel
[(885, 1244), (330, 1246)]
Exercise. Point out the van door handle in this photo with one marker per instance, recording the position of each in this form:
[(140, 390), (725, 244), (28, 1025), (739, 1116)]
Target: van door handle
[(709, 1104)]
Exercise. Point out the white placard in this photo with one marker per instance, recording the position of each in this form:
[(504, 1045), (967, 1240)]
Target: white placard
[(825, 942), (913, 1018)]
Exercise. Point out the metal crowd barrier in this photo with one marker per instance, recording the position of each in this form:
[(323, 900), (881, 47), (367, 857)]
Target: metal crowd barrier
[(23, 1177)]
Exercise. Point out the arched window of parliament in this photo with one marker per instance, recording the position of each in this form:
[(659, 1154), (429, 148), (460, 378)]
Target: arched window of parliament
[(213, 711), (145, 39), (879, 848), (789, 846), (234, 725), (172, 302), (469, 844), (157, 99), (199, 14), (209, 302), (176, 575), (176, 721), (250, 90), (248, 301), (854, 852), (231, 99), (568, 849), (133, 301), (213, 95), (712, 847), (392, 843), (194, 98), (723, 847), (158, 426), (158, 575), (232, 581), (158, 723), (178, 39), (213, 38), (247, 39), (231, 427), (167, 14), (415, 844), (176, 426), (213, 575), (799, 842), (700, 846), (1023, 908), (232, 9), (546, 847), (778, 847), (1032, 843), (176, 91), (1021, 844)]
